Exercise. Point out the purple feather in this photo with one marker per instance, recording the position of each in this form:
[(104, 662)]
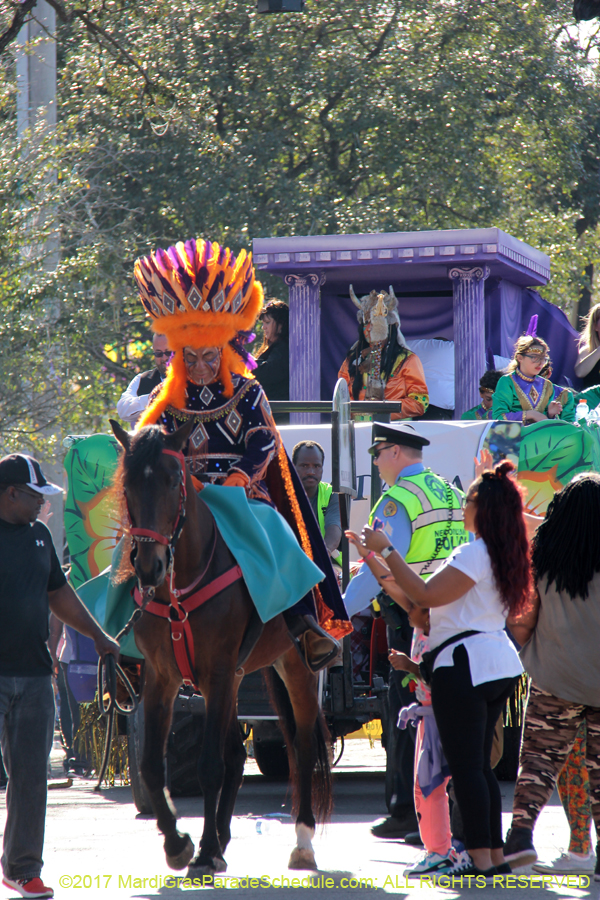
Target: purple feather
[(532, 329), (237, 344)]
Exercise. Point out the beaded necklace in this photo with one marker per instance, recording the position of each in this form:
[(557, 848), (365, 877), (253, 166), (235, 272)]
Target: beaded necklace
[(525, 377)]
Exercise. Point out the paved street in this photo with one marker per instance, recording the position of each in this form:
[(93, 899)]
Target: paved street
[(93, 836)]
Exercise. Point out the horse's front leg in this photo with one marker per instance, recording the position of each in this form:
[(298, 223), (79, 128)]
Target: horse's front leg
[(158, 708), (309, 749), (219, 697)]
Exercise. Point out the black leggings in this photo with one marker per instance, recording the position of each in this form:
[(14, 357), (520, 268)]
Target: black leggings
[(466, 717)]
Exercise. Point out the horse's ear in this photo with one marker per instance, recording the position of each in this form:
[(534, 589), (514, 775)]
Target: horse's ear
[(179, 438), (123, 437)]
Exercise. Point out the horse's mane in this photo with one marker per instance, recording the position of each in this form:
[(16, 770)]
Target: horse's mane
[(144, 450)]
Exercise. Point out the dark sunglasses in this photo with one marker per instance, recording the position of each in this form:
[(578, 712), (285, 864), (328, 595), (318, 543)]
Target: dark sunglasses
[(159, 353), (376, 453), (36, 494)]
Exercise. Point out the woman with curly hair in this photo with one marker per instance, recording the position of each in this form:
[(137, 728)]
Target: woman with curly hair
[(473, 665), (560, 634)]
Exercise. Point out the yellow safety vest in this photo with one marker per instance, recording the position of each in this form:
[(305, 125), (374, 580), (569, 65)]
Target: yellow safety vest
[(323, 498), (434, 509)]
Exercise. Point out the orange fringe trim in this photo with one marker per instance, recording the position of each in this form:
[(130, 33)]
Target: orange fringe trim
[(336, 627)]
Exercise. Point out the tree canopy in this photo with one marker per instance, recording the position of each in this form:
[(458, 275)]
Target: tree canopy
[(208, 119)]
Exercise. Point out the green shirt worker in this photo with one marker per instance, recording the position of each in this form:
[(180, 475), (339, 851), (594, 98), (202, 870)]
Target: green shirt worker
[(308, 458)]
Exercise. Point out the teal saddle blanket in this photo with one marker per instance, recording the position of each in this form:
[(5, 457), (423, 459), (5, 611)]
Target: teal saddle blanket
[(276, 570)]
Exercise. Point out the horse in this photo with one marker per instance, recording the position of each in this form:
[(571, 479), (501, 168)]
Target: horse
[(158, 493)]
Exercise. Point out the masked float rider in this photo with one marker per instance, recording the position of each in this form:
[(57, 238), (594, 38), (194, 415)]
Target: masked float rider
[(379, 366), (205, 300), (524, 395), (421, 515)]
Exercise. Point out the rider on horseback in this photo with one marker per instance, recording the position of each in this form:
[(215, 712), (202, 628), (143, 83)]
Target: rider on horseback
[(206, 301)]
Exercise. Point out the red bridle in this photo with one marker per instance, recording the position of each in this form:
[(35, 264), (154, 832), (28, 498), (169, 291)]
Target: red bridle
[(146, 535), (178, 609)]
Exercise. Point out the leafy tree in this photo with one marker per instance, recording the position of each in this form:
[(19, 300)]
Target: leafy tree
[(207, 119)]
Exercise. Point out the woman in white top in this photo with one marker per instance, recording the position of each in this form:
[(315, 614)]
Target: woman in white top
[(473, 591)]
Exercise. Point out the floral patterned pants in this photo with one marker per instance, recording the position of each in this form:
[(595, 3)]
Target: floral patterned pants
[(574, 790), (551, 729)]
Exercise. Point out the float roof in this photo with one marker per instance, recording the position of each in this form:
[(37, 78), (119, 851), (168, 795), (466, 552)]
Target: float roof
[(403, 255)]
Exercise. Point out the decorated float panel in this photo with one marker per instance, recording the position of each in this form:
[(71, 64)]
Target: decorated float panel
[(473, 287)]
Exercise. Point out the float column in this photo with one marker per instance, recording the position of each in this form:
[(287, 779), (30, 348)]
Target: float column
[(305, 342), (469, 335)]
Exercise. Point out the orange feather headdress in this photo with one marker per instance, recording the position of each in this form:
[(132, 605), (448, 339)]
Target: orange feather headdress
[(199, 295)]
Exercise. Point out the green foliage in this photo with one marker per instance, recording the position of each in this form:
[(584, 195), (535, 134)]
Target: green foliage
[(207, 119)]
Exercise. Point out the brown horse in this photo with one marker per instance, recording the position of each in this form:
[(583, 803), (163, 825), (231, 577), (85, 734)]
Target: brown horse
[(153, 482)]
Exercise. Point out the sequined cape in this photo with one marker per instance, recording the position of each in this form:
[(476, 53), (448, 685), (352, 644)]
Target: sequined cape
[(515, 395), (239, 435)]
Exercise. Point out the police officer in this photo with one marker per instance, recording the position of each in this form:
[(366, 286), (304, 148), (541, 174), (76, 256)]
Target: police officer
[(422, 517)]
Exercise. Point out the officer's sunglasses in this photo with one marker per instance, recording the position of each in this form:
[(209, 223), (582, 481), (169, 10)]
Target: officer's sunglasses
[(380, 450), (160, 353)]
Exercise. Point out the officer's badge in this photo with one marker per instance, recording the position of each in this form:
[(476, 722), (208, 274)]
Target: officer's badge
[(390, 509)]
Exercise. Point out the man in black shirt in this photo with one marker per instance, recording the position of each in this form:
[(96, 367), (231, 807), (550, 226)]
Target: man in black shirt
[(31, 585)]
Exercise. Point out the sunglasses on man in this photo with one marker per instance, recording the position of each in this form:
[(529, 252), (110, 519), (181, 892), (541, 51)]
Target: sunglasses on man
[(376, 453), (160, 353)]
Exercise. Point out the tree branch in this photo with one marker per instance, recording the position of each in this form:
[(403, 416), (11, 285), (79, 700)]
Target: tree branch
[(22, 10)]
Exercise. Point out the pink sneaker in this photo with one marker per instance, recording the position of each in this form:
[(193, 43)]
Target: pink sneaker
[(32, 887)]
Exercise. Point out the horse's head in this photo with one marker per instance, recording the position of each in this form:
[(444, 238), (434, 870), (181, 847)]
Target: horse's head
[(152, 478)]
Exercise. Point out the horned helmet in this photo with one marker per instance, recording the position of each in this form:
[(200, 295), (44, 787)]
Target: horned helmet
[(377, 312)]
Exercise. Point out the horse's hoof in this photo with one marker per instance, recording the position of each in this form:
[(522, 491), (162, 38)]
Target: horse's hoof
[(201, 871), (181, 859), (302, 859)]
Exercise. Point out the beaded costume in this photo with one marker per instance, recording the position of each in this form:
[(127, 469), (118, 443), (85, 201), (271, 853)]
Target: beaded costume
[(235, 434), (201, 296), (515, 394), (380, 366)]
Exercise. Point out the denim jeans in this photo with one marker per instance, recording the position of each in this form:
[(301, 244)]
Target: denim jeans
[(26, 731)]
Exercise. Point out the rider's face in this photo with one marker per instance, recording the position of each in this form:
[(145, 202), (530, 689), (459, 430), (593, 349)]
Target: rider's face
[(202, 363)]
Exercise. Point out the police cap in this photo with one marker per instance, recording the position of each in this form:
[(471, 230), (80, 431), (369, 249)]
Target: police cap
[(404, 434)]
